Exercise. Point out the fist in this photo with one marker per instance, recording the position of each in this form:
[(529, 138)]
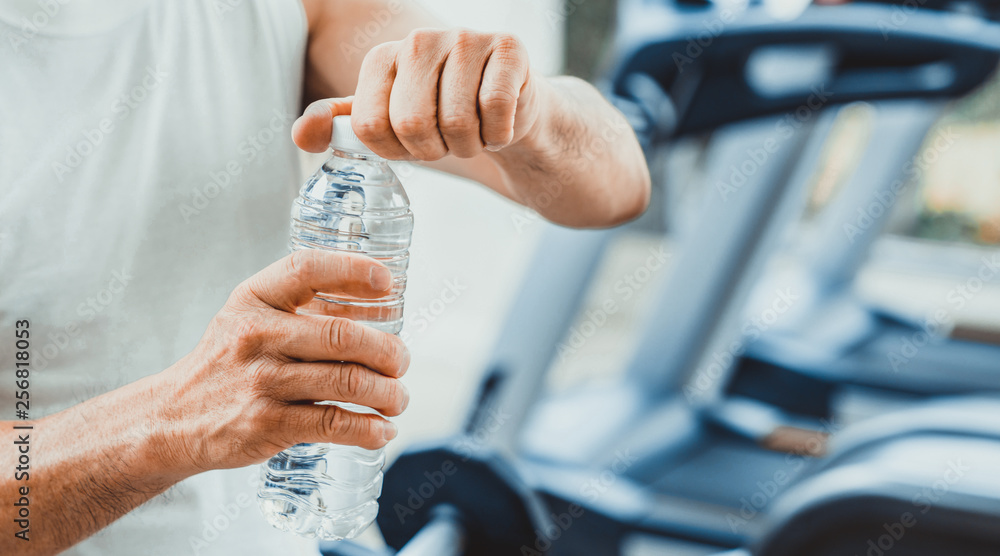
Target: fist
[(248, 389), (434, 93)]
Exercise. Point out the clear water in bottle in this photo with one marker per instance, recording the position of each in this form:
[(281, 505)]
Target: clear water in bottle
[(355, 203)]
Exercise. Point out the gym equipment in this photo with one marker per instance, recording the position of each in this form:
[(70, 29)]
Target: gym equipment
[(712, 444)]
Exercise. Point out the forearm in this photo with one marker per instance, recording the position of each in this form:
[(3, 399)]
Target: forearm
[(85, 467), (242, 395)]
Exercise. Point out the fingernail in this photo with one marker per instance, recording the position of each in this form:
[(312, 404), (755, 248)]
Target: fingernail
[(389, 430), (406, 397), (493, 147), (381, 278), (405, 364)]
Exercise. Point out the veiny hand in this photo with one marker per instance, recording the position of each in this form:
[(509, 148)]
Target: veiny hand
[(246, 391), (434, 93)]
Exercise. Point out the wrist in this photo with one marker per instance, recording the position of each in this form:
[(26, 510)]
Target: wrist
[(160, 430)]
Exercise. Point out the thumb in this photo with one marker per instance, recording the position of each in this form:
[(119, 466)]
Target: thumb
[(311, 132)]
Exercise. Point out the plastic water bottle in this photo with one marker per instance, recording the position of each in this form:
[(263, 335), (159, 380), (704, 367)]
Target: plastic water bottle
[(355, 203)]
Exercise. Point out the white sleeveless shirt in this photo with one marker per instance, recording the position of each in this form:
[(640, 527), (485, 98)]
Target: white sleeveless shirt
[(145, 170)]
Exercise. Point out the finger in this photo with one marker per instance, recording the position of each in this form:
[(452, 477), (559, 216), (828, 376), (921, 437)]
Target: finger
[(370, 112), (458, 109), (505, 74), (330, 423), (311, 132), (314, 338), (339, 382), (294, 280), (414, 98)]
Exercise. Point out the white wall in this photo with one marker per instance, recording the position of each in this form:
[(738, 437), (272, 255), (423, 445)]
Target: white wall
[(538, 22)]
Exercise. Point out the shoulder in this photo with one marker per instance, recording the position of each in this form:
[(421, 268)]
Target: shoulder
[(314, 11), (324, 14)]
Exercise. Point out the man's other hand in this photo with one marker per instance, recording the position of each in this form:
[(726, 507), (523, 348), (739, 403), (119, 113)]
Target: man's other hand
[(248, 390), (434, 93)]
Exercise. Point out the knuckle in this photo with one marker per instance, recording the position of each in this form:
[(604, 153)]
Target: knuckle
[(351, 265), (358, 382), (243, 293), (465, 40), (335, 422), (497, 99), (414, 125), (265, 419), (331, 422), (246, 332), (370, 128), (381, 54), (383, 344), (339, 333), (260, 384), (249, 338), (300, 263), (457, 122), (419, 41), (507, 44), (395, 399)]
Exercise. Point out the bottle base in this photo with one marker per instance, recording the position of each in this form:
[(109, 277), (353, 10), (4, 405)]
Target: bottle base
[(287, 515)]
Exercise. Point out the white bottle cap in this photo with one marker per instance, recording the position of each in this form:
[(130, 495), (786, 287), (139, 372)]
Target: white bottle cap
[(343, 137)]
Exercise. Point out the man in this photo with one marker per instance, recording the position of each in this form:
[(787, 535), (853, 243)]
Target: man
[(145, 172)]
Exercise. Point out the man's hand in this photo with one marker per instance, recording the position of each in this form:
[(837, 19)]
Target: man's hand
[(246, 391), (434, 93), (469, 103)]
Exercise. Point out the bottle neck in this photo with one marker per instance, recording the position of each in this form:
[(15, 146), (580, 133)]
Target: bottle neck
[(359, 168), (353, 155)]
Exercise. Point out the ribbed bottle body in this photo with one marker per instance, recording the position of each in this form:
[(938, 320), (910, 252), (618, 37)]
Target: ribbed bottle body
[(353, 203)]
